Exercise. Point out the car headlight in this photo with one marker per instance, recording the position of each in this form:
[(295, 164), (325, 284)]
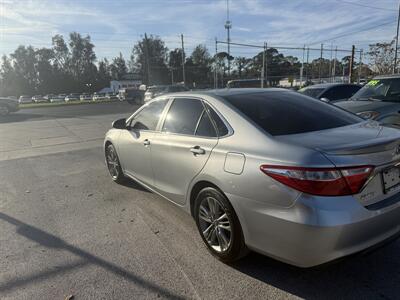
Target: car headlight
[(368, 114)]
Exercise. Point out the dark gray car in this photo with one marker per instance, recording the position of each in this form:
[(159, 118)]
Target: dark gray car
[(8, 105), (330, 92), (379, 100)]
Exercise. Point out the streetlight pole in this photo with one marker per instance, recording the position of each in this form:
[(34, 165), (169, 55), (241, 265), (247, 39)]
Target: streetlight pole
[(228, 26), (397, 42)]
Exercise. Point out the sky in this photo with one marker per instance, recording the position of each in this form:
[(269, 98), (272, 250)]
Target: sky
[(115, 25)]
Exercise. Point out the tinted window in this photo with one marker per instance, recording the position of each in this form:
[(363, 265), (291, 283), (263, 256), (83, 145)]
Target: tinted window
[(221, 127), (340, 92), (205, 127), (281, 113), (148, 117), (183, 115)]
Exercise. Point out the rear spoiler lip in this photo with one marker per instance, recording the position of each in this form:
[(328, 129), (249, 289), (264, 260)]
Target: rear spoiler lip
[(364, 147)]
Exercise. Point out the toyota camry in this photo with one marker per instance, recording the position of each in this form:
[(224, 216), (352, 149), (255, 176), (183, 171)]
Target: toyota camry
[(267, 170)]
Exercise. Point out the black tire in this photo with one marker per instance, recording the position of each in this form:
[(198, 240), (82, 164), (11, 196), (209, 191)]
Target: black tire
[(236, 247), (4, 110), (113, 164)]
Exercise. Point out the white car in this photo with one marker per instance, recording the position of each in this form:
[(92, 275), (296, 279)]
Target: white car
[(58, 98), (25, 99)]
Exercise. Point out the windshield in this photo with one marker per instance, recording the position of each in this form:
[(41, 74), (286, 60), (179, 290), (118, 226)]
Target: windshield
[(312, 92), (380, 89)]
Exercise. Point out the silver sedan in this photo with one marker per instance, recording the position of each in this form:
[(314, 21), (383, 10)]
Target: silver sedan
[(270, 170)]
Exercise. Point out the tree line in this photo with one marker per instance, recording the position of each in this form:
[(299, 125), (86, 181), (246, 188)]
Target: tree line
[(72, 66)]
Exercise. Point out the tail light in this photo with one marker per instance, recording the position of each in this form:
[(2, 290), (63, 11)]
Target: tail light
[(321, 181)]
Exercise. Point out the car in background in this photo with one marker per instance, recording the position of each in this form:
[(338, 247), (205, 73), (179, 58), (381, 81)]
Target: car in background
[(8, 105), (39, 98), (270, 170), (72, 97), (132, 95), (157, 90), (111, 96), (330, 92), (25, 99), (245, 83), (85, 97), (58, 98), (378, 100), (48, 97), (99, 96)]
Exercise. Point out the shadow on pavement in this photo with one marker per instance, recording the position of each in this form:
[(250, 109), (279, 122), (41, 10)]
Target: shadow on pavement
[(50, 241), (130, 183), (19, 117), (363, 276)]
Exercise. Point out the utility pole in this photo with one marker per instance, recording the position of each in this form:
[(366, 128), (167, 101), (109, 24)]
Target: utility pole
[(397, 42), (146, 47), (216, 65), (308, 66), (228, 26), (263, 68), (320, 64), (266, 64), (330, 65), (351, 63), (302, 67), (183, 62), (334, 66), (359, 67)]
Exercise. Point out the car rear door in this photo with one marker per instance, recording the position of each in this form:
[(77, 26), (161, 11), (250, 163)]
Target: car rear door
[(135, 143), (182, 148)]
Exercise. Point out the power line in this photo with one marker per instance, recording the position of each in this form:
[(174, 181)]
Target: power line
[(367, 6), (352, 32)]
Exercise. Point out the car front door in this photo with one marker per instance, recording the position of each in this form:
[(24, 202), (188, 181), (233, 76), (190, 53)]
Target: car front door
[(182, 148), (135, 143)]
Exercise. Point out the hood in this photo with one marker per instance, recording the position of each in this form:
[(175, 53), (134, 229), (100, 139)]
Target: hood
[(368, 105)]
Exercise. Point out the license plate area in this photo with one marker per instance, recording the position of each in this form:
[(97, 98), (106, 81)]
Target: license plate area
[(391, 179)]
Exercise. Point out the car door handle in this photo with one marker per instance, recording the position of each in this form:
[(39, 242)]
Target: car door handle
[(197, 150), (146, 142)]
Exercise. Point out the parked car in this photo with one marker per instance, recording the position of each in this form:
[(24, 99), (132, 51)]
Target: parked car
[(25, 99), (39, 98), (72, 97), (8, 105), (99, 96), (157, 90), (131, 95), (58, 98), (379, 100), (331, 92), (111, 96), (48, 97), (85, 97), (270, 170), (245, 83)]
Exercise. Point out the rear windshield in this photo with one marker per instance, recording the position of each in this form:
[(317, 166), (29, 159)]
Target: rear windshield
[(282, 113), (312, 92)]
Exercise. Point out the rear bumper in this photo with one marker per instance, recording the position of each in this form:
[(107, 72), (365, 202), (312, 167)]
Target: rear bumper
[(315, 230)]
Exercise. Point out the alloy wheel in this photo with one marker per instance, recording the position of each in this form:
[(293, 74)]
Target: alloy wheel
[(215, 224), (112, 162)]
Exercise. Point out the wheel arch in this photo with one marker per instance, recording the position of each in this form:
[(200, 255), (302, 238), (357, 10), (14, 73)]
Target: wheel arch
[(197, 187)]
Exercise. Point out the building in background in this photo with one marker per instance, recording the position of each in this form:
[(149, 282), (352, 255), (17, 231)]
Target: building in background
[(130, 80)]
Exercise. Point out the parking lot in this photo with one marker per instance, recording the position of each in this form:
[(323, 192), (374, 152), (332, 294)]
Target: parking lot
[(67, 229)]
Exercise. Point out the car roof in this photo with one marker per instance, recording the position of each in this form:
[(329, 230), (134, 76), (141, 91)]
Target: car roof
[(230, 92), (387, 76), (328, 85)]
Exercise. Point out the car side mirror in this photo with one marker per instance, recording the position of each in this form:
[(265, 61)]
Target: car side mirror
[(119, 124), (324, 99)]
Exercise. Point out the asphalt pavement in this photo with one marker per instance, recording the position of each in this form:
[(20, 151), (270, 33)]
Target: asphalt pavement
[(67, 229)]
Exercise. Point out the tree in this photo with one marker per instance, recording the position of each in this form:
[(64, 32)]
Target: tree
[(149, 58), (198, 66), (381, 57), (242, 64), (118, 68), (175, 64)]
